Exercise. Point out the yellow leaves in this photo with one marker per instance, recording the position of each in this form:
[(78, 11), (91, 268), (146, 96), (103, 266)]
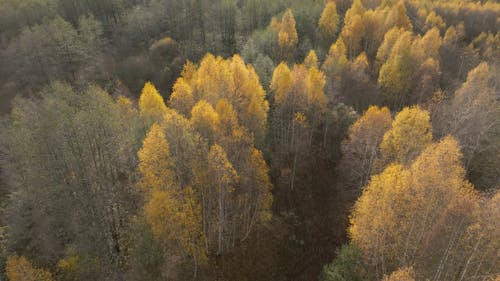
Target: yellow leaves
[(352, 34), (155, 163), (182, 98), (20, 269), (287, 34), (402, 274), (396, 74), (205, 120), (376, 213), (231, 79), (428, 46), (410, 133), (263, 183), (311, 61), (221, 169), (336, 60), (158, 210), (151, 104), (69, 264), (374, 117), (398, 17), (357, 9), (429, 195), (329, 21), (434, 21), (315, 82), (281, 83)]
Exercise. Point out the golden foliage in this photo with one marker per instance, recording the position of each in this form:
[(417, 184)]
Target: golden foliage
[(151, 104), (329, 21), (410, 133), (155, 163), (20, 269)]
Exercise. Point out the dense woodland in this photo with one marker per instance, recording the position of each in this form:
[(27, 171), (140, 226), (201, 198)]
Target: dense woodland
[(331, 140)]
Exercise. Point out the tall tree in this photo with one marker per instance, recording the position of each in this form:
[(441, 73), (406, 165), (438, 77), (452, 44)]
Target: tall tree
[(361, 149), (329, 22), (409, 134), (151, 104)]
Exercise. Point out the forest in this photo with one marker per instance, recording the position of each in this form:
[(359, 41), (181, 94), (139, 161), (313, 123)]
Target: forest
[(250, 140)]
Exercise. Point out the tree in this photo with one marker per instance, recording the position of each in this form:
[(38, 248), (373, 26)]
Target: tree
[(287, 34), (151, 104), (182, 97), (398, 17), (410, 133), (352, 34), (402, 207), (329, 22), (334, 65), (347, 265), (396, 74), (155, 163), (361, 148), (175, 215), (224, 178), (205, 120), (433, 20), (402, 274), (20, 269), (70, 166), (475, 127), (216, 78), (385, 49)]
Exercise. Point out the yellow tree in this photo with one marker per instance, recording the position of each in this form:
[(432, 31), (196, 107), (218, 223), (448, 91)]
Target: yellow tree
[(398, 17), (385, 49), (155, 163), (316, 98), (356, 9), (361, 148), (334, 66), (250, 96), (434, 21), (281, 83), (396, 74), (224, 177), (151, 104), (414, 216), (352, 34), (329, 22), (231, 79), (175, 215), (402, 274), (374, 219), (354, 28), (182, 97), (311, 60), (205, 120), (409, 134), (374, 31), (20, 269), (427, 46), (287, 34)]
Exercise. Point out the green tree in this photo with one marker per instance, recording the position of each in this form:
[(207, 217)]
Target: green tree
[(347, 265)]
